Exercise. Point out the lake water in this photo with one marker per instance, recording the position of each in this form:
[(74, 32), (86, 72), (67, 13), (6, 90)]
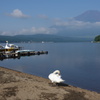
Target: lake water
[(79, 63)]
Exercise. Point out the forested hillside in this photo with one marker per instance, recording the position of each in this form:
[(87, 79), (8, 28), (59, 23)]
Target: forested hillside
[(42, 37)]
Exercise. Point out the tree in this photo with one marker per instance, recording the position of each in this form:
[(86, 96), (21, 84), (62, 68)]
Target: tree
[(97, 38)]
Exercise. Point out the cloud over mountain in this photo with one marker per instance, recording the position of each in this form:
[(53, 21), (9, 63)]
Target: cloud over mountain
[(86, 24)]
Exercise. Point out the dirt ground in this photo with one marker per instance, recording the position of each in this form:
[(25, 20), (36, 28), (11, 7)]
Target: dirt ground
[(16, 85)]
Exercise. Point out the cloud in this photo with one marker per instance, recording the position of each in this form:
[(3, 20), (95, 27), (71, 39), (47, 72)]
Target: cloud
[(18, 14), (74, 24), (8, 33), (40, 30), (31, 31)]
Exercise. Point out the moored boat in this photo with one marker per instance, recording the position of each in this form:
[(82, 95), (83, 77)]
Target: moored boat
[(11, 47)]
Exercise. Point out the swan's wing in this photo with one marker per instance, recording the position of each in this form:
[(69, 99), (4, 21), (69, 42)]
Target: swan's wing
[(59, 79), (55, 78)]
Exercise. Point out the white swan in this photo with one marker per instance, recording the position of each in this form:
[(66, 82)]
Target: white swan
[(55, 77)]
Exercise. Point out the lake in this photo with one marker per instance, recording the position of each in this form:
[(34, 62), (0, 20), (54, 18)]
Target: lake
[(79, 63)]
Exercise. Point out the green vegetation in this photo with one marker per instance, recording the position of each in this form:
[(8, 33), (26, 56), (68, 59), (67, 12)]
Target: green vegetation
[(97, 38)]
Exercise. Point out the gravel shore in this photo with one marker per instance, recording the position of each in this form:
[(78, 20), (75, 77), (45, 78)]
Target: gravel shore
[(15, 85)]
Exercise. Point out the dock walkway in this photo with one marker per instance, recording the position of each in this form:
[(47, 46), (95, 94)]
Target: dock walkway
[(5, 55)]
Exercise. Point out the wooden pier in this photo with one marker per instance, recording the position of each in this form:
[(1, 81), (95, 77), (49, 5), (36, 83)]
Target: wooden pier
[(6, 55)]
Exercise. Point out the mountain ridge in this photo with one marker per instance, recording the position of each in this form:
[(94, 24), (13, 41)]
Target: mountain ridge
[(89, 16), (42, 37)]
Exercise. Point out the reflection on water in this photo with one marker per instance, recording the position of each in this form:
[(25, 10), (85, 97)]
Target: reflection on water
[(19, 54), (79, 63)]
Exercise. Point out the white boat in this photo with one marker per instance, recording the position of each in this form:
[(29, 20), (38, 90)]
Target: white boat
[(23, 51), (11, 47)]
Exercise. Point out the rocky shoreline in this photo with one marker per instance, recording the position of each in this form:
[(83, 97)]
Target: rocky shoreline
[(15, 85)]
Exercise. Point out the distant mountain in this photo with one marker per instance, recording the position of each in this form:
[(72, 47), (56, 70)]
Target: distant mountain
[(42, 37), (89, 16)]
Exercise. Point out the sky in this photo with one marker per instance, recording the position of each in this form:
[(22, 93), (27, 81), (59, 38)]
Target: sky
[(19, 17)]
